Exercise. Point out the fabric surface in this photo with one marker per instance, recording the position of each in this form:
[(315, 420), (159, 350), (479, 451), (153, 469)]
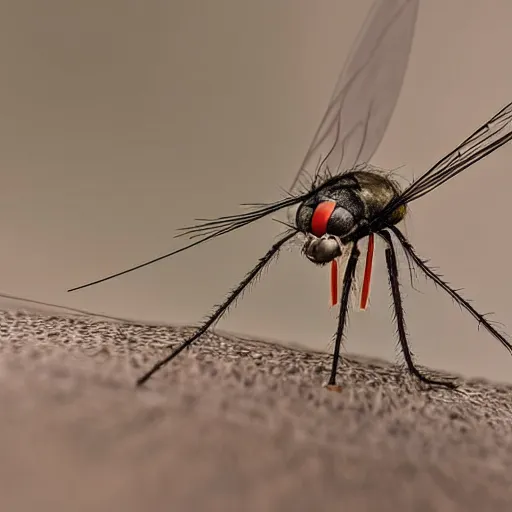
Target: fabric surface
[(234, 424)]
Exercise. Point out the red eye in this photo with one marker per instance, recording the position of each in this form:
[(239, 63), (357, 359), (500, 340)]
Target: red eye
[(321, 216)]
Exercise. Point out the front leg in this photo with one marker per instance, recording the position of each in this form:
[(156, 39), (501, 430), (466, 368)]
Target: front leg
[(348, 279)]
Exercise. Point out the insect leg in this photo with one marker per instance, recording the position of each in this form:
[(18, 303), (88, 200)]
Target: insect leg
[(394, 284), (220, 310), (345, 295), (408, 248)]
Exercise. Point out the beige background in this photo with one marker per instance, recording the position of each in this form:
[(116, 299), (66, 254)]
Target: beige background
[(121, 121)]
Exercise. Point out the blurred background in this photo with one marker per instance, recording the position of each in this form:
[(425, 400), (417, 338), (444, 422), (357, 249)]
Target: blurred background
[(121, 121)]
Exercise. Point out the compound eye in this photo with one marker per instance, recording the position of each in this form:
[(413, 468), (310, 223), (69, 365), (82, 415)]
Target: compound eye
[(341, 222), (321, 216)]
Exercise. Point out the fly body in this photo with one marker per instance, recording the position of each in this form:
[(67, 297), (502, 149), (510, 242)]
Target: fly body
[(342, 210), (358, 201)]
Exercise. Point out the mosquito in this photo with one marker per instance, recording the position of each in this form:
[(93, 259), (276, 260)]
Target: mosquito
[(349, 200)]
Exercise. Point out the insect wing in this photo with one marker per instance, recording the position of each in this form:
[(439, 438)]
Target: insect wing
[(484, 141), (366, 92), (352, 127)]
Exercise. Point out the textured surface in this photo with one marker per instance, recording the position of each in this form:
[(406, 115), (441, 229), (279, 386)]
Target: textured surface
[(233, 425)]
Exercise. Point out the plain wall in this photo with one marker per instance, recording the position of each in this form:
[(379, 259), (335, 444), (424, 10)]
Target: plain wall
[(121, 121)]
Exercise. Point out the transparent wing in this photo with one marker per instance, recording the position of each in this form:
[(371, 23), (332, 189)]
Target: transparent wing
[(352, 127), (366, 92), (487, 139)]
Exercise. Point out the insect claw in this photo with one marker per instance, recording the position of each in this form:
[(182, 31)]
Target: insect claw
[(333, 387)]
